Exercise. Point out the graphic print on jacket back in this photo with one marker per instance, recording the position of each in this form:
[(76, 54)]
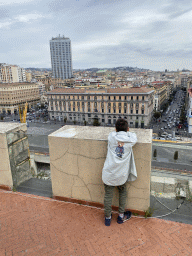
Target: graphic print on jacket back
[(119, 149)]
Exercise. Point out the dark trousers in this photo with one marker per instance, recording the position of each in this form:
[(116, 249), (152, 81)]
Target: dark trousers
[(109, 196)]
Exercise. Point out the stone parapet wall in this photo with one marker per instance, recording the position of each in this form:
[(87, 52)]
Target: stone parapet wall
[(14, 154), (77, 155)]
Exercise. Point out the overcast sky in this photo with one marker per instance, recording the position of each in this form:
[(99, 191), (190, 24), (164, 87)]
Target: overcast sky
[(149, 34)]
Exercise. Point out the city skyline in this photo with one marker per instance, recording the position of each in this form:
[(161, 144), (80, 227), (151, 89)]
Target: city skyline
[(103, 33)]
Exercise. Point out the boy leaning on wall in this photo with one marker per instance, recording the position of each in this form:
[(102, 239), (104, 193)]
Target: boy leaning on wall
[(119, 167)]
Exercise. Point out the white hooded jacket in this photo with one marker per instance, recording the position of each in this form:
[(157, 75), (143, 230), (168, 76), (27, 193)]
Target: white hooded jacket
[(119, 166)]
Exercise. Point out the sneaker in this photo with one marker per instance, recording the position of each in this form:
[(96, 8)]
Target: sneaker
[(108, 221), (127, 216)]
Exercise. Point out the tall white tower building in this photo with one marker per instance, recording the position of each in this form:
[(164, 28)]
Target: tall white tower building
[(61, 59)]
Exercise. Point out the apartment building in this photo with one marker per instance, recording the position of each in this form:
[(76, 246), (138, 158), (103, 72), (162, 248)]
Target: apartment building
[(160, 94), (11, 74), (105, 105), (13, 95), (61, 59), (189, 114)]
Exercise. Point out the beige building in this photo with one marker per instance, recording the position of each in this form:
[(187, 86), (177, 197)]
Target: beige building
[(160, 94), (28, 76), (106, 105), (13, 95), (11, 74)]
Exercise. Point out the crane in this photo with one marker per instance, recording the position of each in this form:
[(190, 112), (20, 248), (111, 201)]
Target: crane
[(23, 113)]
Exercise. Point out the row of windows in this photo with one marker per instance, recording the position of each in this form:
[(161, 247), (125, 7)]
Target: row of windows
[(102, 110), (102, 97), (109, 105)]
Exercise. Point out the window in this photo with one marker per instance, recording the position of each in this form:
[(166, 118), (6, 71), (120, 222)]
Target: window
[(125, 110), (131, 111), (102, 110), (137, 97), (114, 97), (109, 110), (142, 111), (136, 111), (143, 97), (125, 97), (131, 97), (109, 97), (119, 111), (120, 97)]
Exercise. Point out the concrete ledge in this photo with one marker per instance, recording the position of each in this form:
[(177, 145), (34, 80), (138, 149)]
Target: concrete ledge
[(166, 183), (77, 155)]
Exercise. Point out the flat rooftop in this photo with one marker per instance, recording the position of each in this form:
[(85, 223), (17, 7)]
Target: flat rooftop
[(34, 225)]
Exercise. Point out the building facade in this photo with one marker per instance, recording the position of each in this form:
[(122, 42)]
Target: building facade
[(105, 105), (61, 57), (189, 114), (11, 74), (13, 95), (160, 91)]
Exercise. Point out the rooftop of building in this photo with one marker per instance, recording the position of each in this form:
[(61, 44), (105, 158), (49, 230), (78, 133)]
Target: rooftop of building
[(130, 90), (36, 225), (16, 84)]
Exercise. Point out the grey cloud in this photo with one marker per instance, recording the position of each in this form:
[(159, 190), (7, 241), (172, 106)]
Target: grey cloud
[(180, 13), (4, 13)]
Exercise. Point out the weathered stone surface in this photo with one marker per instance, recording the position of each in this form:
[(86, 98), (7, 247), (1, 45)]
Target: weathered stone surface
[(23, 172), (13, 154), (77, 155)]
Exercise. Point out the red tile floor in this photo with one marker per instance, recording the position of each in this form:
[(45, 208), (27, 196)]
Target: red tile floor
[(35, 226)]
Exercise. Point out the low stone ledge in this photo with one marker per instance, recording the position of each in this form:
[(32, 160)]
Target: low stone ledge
[(14, 151), (77, 155)]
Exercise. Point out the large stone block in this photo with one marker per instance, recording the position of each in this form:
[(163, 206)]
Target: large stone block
[(13, 153), (77, 156)]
